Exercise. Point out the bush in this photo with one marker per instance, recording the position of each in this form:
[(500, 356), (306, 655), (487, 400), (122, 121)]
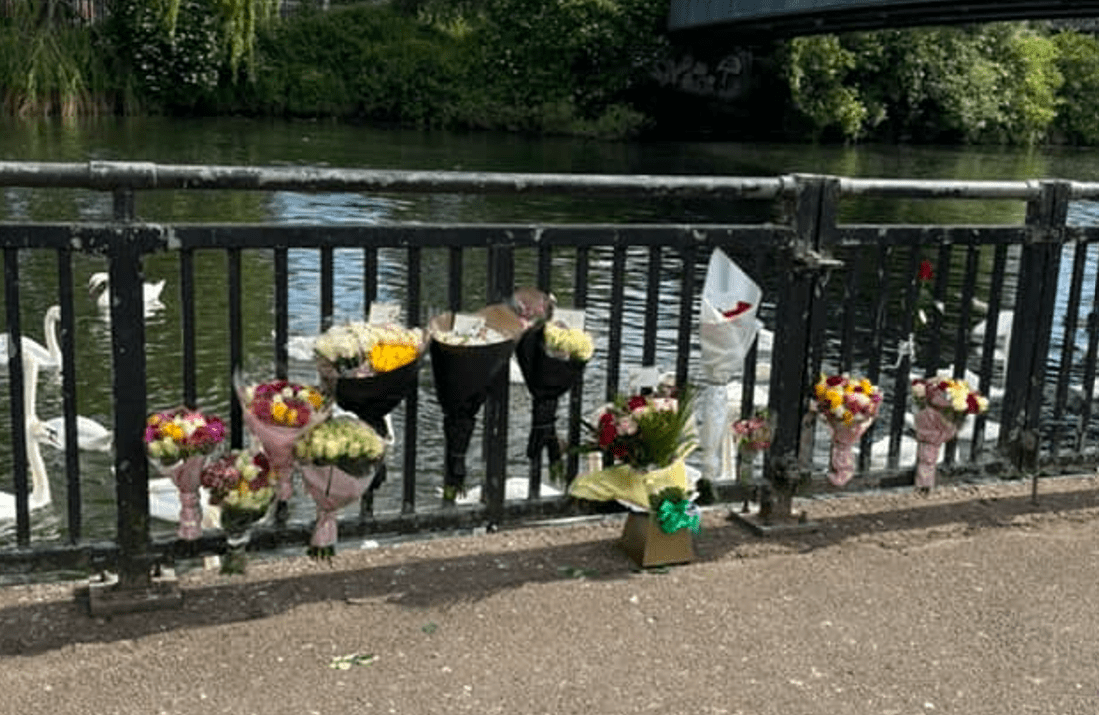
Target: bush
[(587, 55), (1078, 61), (996, 83), (362, 61)]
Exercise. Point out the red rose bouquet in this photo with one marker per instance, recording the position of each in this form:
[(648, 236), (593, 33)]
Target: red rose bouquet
[(942, 405), (242, 486)]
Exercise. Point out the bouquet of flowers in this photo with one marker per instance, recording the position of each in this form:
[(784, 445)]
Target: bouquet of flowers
[(241, 484), (468, 353), (360, 349), (647, 437), (337, 459), (849, 406), (177, 442), (728, 326), (753, 435), (277, 413), (942, 405), (551, 356), (369, 368)]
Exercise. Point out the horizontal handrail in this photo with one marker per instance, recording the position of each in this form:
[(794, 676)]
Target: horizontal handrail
[(109, 175)]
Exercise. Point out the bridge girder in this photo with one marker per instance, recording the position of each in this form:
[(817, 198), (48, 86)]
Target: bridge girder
[(758, 21)]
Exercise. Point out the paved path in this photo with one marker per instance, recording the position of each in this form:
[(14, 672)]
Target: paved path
[(970, 601)]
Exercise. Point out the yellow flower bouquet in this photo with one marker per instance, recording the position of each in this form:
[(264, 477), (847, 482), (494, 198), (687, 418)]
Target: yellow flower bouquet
[(368, 368), (849, 405)]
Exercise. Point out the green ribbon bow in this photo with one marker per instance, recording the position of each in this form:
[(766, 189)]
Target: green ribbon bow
[(682, 514)]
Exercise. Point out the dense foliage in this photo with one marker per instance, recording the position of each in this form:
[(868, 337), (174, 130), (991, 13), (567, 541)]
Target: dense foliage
[(1013, 83), (581, 67), (524, 65)]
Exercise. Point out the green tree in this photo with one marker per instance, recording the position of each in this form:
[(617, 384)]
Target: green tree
[(547, 65), (1078, 114), (817, 70), (176, 53), (1032, 83), (994, 83)]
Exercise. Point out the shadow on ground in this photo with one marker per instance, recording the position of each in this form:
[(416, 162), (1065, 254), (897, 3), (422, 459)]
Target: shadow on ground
[(422, 578)]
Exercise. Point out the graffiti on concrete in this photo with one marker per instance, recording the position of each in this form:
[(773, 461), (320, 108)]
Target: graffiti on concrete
[(727, 79)]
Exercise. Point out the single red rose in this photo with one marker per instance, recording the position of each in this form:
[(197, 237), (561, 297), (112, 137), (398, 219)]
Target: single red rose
[(636, 402), (741, 306), (607, 433), (834, 380), (926, 272), (971, 404), (606, 418)]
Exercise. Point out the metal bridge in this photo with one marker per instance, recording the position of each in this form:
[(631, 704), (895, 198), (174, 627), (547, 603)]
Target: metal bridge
[(761, 20)]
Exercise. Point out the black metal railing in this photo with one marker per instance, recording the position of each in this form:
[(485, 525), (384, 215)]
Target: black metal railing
[(835, 299)]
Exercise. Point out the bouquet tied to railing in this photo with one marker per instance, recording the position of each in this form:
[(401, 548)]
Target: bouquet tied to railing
[(178, 442), (728, 327), (368, 368), (468, 354), (276, 414), (848, 405), (242, 485), (942, 406), (338, 459), (552, 357), (647, 439), (752, 436)]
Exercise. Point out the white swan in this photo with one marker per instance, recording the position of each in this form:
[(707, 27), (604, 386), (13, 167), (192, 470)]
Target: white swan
[(98, 288), (40, 484), (48, 356), (164, 503), (90, 435)]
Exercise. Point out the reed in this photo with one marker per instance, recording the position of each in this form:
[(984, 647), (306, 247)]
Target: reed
[(49, 67)]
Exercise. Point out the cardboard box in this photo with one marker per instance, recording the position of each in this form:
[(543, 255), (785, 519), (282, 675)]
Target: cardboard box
[(647, 545)]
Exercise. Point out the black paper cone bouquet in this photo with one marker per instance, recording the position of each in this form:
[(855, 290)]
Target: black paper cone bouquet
[(468, 353), (552, 356), (369, 368)]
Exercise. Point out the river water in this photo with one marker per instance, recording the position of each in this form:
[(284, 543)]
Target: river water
[(278, 143)]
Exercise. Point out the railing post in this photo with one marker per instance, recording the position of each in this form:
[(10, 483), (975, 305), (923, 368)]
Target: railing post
[(1028, 351), (136, 588), (793, 357), (501, 284)]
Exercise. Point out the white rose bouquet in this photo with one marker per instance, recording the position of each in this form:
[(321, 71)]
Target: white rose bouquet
[(338, 459)]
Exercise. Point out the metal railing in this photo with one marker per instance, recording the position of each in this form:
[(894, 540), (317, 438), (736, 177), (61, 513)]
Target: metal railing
[(834, 300)]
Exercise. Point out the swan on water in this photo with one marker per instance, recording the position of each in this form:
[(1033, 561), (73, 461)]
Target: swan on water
[(40, 484), (90, 435), (99, 288), (48, 356), (164, 503)]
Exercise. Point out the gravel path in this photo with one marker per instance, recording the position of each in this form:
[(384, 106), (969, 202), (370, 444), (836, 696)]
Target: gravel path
[(970, 600)]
